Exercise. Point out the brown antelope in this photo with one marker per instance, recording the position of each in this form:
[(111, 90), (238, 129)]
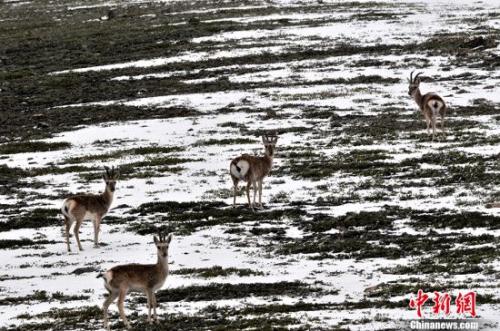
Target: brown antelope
[(253, 169), (493, 205), (145, 278), (431, 105), (81, 207)]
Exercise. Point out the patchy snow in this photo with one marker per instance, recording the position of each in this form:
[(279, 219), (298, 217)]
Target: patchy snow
[(293, 86), (188, 57)]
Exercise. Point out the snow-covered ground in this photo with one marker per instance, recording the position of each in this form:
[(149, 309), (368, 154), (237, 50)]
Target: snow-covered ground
[(289, 88)]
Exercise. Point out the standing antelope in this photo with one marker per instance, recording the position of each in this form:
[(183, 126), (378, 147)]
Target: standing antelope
[(431, 105), (253, 169), (81, 207), (145, 278)]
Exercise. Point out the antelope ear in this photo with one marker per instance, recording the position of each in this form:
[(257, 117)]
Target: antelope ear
[(155, 238), (169, 238)]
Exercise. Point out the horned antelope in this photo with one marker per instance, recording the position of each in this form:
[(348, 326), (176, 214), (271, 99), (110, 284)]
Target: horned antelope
[(253, 169), (431, 105), (145, 278), (81, 207)]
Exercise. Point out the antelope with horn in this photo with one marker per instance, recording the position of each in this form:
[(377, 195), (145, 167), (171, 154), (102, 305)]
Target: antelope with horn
[(431, 105), (93, 207), (253, 169), (145, 278)]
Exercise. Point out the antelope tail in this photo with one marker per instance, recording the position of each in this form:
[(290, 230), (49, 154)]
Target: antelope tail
[(240, 169), (436, 106), (65, 209)]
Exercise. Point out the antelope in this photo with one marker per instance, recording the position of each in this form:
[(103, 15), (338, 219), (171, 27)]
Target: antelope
[(253, 169), (493, 205), (81, 207), (145, 278), (431, 105)]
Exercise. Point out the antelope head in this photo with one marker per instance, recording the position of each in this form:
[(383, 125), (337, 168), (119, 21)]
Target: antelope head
[(110, 178), (269, 142), (162, 242), (414, 82)]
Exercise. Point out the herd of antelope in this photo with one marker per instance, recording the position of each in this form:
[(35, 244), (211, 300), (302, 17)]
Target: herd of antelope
[(148, 278)]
